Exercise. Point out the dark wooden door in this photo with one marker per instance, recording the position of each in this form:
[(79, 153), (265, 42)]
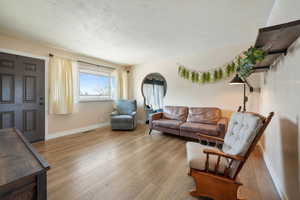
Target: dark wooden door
[(22, 94)]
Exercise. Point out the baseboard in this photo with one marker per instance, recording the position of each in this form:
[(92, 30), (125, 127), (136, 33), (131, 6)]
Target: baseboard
[(77, 130), (273, 175)]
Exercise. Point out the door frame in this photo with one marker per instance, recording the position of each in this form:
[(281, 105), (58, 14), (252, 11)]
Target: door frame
[(46, 59)]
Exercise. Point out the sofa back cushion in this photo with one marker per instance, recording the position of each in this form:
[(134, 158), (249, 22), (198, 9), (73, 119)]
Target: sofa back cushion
[(204, 115), (126, 107), (175, 112), (242, 129)]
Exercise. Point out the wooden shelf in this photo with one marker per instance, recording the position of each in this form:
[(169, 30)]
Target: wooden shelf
[(275, 40), (260, 69)]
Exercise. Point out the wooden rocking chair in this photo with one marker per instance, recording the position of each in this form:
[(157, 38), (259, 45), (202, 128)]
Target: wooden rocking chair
[(215, 170)]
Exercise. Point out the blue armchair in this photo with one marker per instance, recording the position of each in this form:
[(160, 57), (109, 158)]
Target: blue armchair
[(124, 117)]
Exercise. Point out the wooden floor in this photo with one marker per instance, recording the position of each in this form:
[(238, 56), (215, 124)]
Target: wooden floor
[(113, 165)]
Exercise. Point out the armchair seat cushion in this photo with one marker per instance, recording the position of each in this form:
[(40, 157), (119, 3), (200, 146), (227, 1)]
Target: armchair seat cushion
[(196, 158), (167, 123), (208, 129)]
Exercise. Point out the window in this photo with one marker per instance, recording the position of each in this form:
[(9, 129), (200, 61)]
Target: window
[(95, 85)]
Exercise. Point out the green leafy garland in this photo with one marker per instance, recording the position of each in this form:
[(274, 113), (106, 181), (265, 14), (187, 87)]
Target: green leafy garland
[(242, 65)]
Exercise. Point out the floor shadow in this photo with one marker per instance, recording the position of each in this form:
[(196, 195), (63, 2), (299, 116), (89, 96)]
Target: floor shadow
[(289, 131)]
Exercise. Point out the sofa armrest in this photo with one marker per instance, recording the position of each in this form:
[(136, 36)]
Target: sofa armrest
[(114, 113), (154, 116), (222, 126)]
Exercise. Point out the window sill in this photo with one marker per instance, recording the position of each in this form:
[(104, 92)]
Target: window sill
[(95, 100)]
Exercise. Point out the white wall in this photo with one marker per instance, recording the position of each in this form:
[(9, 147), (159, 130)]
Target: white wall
[(89, 114), (281, 94), (185, 93)]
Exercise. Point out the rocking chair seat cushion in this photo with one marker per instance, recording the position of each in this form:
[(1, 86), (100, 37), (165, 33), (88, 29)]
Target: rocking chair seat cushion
[(196, 158)]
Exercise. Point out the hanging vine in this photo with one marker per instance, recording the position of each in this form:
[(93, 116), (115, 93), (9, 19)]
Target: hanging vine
[(242, 65)]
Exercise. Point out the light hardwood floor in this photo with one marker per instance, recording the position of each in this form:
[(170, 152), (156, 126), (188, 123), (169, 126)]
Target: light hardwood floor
[(116, 165)]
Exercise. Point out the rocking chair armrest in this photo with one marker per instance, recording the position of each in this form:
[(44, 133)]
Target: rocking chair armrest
[(219, 153), (208, 137)]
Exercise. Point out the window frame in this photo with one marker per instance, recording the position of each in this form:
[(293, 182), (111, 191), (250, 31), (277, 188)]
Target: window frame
[(95, 98)]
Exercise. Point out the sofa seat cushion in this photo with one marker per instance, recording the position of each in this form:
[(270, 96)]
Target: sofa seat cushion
[(196, 158), (200, 128), (167, 123)]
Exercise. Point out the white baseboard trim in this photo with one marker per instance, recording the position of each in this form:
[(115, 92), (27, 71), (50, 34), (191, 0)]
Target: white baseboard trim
[(77, 130), (274, 177)]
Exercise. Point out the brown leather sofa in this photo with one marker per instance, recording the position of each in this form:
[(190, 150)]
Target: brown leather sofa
[(186, 122)]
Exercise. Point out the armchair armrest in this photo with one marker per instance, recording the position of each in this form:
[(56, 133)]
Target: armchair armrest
[(210, 138), (114, 113), (133, 113), (222, 126)]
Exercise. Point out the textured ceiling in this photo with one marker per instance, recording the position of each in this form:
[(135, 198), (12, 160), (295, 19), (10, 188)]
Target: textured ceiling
[(135, 31)]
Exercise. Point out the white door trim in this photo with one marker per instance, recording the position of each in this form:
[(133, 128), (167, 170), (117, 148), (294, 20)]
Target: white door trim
[(46, 59)]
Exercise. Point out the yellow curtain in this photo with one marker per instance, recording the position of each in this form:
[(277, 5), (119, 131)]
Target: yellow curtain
[(60, 86), (125, 84), (121, 83)]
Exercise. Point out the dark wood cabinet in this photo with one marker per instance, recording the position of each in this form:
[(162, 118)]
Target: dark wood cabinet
[(23, 172)]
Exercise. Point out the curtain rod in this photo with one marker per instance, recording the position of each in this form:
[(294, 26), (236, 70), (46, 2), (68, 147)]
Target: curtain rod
[(84, 62)]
